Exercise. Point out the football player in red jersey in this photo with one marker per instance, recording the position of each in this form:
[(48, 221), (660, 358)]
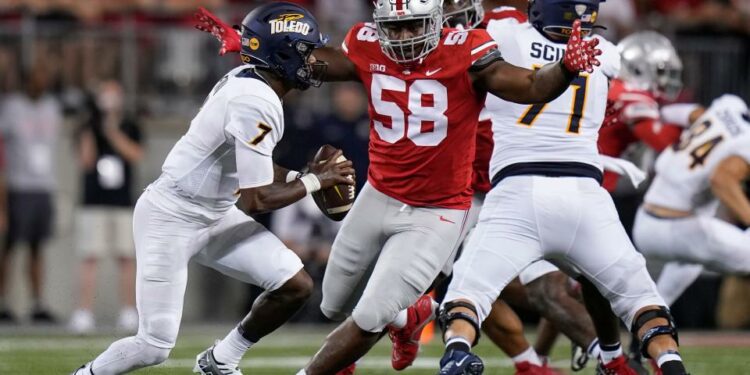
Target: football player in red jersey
[(427, 86), (646, 80)]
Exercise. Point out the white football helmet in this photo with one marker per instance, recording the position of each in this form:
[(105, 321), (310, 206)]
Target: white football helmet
[(650, 62), (408, 30), (466, 13)]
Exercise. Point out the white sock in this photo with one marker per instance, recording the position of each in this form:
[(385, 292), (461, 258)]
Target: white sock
[(610, 352), (666, 357), (594, 349), (528, 356), (230, 350), (400, 320)]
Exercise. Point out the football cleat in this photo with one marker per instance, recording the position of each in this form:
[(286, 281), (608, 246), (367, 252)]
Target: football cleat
[(618, 366), (527, 368), (406, 340), (83, 370), (349, 370), (456, 362), (206, 364), (637, 365)]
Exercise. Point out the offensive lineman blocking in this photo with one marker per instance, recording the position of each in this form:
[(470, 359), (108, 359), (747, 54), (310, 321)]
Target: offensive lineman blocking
[(547, 202)]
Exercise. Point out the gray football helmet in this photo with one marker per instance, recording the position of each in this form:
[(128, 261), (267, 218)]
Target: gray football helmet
[(650, 62), (465, 13), (422, 20)]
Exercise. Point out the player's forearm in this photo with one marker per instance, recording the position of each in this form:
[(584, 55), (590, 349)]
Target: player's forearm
[(340, 68), (549, 82), (280, 174), (726, 185), (732, 196), (271, 197)]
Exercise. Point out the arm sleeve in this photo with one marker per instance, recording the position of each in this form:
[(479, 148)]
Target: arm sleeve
[(255, 123), (253, 169), (481, 44), (678, 114)]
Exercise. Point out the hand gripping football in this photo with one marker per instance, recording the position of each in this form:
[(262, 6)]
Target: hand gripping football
[(335, 201)]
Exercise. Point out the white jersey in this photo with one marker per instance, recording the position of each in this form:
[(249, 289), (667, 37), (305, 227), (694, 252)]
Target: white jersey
[(200, 177), (563, 130), (683, 171)]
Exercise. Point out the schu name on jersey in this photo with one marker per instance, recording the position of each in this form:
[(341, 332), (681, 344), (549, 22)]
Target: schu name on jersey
[(546, 52), (288, 23)]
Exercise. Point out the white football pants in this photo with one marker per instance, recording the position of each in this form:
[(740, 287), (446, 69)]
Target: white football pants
[(691, 243), (235, 245), (569, 219)]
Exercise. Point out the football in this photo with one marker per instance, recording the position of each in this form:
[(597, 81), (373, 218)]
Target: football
[(336, 201)]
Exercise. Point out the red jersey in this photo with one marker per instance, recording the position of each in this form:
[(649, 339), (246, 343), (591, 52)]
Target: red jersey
[(500, 13), (423, 119), (481, 180), (632, 116)]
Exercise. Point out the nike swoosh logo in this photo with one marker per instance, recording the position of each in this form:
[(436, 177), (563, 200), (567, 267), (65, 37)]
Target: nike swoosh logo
[(461, 362), (442, 218), (432, 72)]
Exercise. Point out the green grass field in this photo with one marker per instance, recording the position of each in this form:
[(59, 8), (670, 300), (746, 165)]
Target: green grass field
[(286, 351)]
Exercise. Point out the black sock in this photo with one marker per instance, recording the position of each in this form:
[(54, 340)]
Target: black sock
[(673, 368)]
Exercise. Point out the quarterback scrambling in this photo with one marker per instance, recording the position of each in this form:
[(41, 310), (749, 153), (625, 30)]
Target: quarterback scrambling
[(189, 212)]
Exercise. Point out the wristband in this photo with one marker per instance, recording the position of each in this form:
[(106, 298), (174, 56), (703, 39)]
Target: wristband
[(292, 175), (311, 182)]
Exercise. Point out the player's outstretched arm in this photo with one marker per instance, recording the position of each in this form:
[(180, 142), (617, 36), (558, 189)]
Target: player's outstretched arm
[(526, 86), (726, 184), (228, 36), (285, 191), (340, 68)]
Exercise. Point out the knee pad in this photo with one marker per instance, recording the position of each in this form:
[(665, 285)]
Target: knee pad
[(445, 317), (160, 330), (669, 329)]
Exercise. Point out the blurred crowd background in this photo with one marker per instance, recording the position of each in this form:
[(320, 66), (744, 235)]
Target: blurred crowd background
[(94, 94)]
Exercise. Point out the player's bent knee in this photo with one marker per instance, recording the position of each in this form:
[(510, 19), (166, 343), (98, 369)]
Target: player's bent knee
[(644, 320), (160, 330), (333, 314), (373, 317), (297, 289)]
